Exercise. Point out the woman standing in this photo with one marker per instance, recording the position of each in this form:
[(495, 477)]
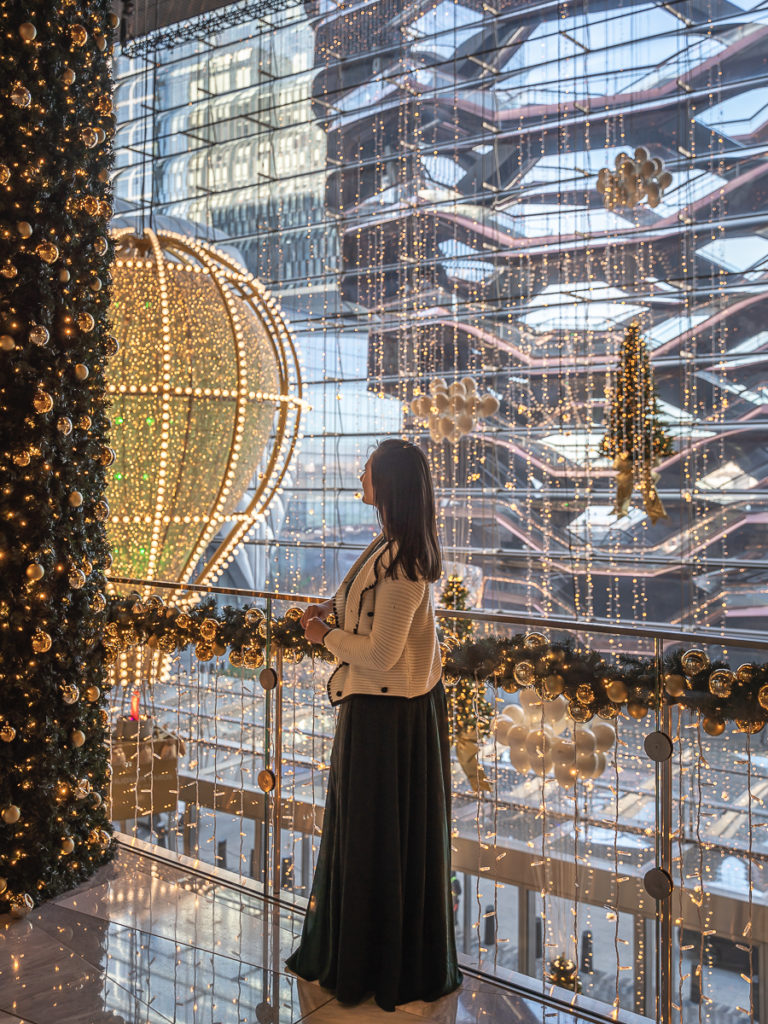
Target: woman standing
[(380, 917)]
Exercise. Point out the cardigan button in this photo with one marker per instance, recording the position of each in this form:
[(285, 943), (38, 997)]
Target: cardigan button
[(370, 615), (384, 689), (338, 693)]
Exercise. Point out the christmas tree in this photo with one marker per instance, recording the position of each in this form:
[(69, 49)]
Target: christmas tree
[(55, 254), (564, 973), (455, 596), (635, 439)]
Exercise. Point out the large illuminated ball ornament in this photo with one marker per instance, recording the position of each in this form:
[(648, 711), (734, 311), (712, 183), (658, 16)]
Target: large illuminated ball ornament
[(542, 739), (206, 394)]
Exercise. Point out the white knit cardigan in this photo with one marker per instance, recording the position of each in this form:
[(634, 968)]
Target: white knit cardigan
[(386, 639)]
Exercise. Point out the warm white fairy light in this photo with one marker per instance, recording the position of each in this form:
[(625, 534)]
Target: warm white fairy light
[(208, 370)]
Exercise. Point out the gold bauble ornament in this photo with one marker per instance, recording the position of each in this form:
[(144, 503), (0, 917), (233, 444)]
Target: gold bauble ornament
[(11, 814), (693, 662), (674, 684), (3, 885), (21, 459), (24, 228), (77, 737), (253, 616), (208, 629), (70, 694), (20, 96), (67, 845), (585, 694), (41, 641), (745, 725), (35, 572), (183, 621), (42, 402), (47, 251), (533, 641), (7, 344), (579, 712), (78, 35), (92, 694), (524, 673), (762, 697), (99, 602), (5, 173), (27, 31), (85, 322), (82, 789), (235, 659), (745, 673), (294, 614), (608, 711), (21, 903), (7, 733), (252, 657), (76, 578), (615, 691), (64, 425), (203, 651), (552, 686), (89, 138), (75, 499), (155, 603), (39, 335), (84, 423), (68, 76), (637, 710), (100, 247), (64, 275), (101, 511), (721, 682), (81, 371)]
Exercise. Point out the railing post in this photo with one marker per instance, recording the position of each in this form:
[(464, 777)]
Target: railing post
[(664, 848), (277, 817), (266, 848)]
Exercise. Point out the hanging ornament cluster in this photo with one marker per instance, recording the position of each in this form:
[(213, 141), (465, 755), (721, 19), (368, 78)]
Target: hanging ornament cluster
[(633, 181), (635, 439), (453, 410), (543, 739), (564, 973)]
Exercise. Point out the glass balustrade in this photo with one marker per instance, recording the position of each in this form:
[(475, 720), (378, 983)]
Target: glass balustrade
[(590, 856)]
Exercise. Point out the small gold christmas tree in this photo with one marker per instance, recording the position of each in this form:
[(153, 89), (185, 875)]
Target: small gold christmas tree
[(634, 437)]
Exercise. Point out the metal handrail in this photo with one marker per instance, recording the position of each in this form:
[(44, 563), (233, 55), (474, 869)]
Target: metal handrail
[(651, 630)]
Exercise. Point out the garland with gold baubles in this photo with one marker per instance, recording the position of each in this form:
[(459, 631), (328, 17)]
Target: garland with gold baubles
[(592, 684)]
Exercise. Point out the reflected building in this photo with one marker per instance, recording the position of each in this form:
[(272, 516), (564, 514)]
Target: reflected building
[(464, 145)]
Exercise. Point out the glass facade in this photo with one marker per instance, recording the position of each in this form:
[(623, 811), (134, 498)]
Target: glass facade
[(417, 183)]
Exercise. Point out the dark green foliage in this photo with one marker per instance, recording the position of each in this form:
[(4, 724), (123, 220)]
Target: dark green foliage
[(56, 161)]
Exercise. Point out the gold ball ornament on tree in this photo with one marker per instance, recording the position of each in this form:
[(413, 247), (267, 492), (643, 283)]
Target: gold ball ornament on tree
[(7, 344), (208, 629), (24, 228), (5, 174), (85, 322), (41, 641), (7, 733), (637, 710), (78, 35), (175, 301), (42, 402), (533, 641), (745, 673), (92, 694), (721, 682), (524, 673), (615, 691), (39, 335), (34, 572), (64, 425), (693, 662), (579, 712), (674, 684), (76, 578), (762, 697), (27, 31), (11, 814), (101, 511), (77, 737), (67, 845), (81, 371), (585, 694), (70, 694), (68, 76), (75, 499), (47, 251), (20, 96), (748, 725)]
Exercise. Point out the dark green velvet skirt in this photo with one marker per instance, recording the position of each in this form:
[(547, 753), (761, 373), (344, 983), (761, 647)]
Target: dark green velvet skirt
[(380, 916)]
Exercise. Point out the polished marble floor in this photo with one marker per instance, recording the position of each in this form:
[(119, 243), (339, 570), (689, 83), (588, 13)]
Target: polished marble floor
[(150, 940)]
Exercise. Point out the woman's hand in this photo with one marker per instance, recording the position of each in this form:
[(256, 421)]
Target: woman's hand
[(315, 630), (316, 611)]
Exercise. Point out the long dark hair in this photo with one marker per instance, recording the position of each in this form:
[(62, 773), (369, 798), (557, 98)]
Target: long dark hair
[(405, 500)]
